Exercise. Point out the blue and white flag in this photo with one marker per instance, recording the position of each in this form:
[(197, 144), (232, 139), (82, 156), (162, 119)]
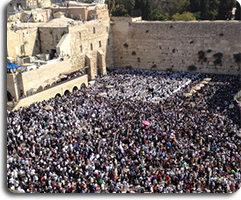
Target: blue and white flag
[(30, 16)]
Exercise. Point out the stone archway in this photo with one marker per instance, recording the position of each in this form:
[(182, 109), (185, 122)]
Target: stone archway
[(57, 95), (75, 89), (83, 86), (67, 92)]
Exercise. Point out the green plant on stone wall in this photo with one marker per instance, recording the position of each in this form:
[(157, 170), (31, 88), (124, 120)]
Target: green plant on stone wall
[(191, 68), (218, 57), (201, 55), (237, 58), (218, 61)]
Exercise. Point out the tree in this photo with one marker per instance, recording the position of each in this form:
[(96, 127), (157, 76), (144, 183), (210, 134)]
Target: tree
[(210, 9), (156, 15), (129, 5), (238, 11), (172, 7), (186, 16), (195, 6), (179, 6), (120, 6), (120, 11), (111, 5), (225, 6), (144, 6)]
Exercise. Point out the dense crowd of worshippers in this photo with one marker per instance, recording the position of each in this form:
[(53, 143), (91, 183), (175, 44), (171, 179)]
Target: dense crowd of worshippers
[(139, 135)]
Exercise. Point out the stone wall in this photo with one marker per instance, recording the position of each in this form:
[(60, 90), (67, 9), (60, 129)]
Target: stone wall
[(50, 37), (175, 45), (72, 12), (87, 39), (23, 42), (23, 3), (52, 92), (63, 47), (36, 80), (12, 85)]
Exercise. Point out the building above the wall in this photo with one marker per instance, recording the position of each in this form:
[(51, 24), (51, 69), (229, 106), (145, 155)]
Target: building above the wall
[(81, 11), (29, 4)]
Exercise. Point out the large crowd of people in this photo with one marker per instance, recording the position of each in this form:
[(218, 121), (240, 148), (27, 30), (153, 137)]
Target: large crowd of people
[(132, 131)]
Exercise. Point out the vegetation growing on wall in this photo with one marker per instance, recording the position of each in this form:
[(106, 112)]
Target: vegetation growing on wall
[(153, 66), (218, 56), (237, 58), (201, 55), (191, 68)]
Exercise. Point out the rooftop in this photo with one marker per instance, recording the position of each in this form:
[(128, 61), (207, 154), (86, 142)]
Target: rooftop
[(58, 22)]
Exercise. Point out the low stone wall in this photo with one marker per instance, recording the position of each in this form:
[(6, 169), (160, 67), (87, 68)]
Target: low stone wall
[(51, 92)]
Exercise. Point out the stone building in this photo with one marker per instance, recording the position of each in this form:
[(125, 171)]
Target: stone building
[(28, 11), (81, 11), (24, 42), (71, 46), (31, 16), (51, 32), (90, 41), (36, 15), (24, 4)]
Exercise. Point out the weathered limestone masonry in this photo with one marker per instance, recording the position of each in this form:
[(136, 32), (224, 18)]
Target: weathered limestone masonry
[(23, 42), (81, 41), (51, 92), (89, 46), (175, 45), (50, 37)]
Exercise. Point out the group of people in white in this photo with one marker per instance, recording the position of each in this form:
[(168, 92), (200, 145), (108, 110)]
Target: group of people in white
[(94, 140)]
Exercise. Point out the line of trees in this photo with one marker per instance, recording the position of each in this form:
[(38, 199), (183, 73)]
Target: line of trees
[(158, 10)]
